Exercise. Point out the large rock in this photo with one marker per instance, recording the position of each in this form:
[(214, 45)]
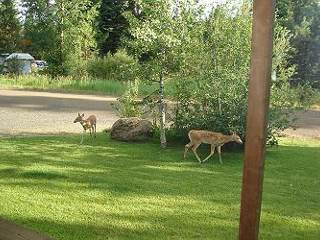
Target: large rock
[(131, 129)]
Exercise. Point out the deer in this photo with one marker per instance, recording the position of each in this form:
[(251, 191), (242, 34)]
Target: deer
[(215, 139), (89, 123)]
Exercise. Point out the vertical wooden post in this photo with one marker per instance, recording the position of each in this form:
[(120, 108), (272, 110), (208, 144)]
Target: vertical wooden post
[(259, 92)]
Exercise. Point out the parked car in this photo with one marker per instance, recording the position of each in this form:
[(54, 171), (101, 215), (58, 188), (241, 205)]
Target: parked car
[(41, 64)]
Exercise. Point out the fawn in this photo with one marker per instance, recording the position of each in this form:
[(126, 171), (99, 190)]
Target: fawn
[(89, 123), (216, 140)]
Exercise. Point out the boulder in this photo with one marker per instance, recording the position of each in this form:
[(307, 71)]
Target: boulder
[(131, 129)]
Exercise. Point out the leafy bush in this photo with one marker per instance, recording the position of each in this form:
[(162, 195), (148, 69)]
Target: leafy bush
[(216, 97), (77, 68), (128, 104), (119, 66)]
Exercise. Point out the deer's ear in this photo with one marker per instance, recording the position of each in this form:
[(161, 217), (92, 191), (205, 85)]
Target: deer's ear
[(82, 115), (79, 114)]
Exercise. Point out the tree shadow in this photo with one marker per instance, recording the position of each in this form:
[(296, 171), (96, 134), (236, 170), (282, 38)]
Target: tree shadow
[(115, 227), (158, 193), (55, 104)]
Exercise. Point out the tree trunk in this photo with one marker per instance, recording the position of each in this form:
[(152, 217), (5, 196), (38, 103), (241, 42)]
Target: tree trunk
[(62, 36), (162, 110)]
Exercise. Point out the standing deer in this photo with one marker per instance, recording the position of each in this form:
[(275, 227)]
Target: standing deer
[(216, 140), (89, 123)]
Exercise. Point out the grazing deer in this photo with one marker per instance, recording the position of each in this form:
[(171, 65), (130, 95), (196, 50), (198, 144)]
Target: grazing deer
[(89, 123), (216, 140)]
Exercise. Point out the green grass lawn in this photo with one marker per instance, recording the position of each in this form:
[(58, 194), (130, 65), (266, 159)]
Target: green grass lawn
[(316, 104), (110, 190), (69, 84)]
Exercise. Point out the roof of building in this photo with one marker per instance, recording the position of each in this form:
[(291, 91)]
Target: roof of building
[(20, 56)]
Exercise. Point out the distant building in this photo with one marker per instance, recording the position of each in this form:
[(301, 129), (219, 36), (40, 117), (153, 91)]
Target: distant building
[(19, 63), (3, 57)]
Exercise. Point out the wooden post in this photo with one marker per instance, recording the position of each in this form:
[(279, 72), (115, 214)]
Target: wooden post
[(259, 92)]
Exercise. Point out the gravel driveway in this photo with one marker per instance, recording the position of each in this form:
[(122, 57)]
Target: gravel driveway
[(307, 124), (30, 112)]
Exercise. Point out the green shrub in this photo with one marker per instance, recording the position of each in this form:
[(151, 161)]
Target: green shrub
[(77, 68), (119, 66), (128, 104), (216, 98)]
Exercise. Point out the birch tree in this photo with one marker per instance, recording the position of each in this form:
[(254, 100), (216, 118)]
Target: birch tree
[(159, 39)]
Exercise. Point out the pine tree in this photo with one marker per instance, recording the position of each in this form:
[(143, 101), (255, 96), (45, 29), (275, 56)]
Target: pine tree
[(112, 25), (9, 27)]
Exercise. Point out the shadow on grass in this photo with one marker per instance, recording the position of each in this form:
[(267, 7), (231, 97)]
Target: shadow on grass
[(42, 175), (115, 227), (138, 191)]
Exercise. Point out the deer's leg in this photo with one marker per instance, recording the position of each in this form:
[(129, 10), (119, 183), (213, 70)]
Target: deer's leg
[(82, 136), (194, 149), (211, 153), (219, 152), (186, 148), (95, 130), (90, 130)]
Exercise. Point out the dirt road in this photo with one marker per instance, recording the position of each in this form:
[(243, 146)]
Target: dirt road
[(307, 125), (30, 112)]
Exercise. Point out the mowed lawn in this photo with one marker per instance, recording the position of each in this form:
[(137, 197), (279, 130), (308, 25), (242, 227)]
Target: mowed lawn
[(110, 190)]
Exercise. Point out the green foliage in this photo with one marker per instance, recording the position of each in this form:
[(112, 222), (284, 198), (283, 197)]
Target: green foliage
[(159, 39), (76, 31), (39, 32), (303, 20), (61, 32), (217, 98), (119, 66), (112, 25), (9, 27), (128, 104)]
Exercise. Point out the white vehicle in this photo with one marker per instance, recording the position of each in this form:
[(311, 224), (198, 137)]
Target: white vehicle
[(41, 64)]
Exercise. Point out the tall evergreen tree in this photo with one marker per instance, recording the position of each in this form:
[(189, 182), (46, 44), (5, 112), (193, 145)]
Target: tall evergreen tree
[(9, 27), (112, 25)]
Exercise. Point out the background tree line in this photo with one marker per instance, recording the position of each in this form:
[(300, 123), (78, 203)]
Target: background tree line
[(65, 31), (205, 55)]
